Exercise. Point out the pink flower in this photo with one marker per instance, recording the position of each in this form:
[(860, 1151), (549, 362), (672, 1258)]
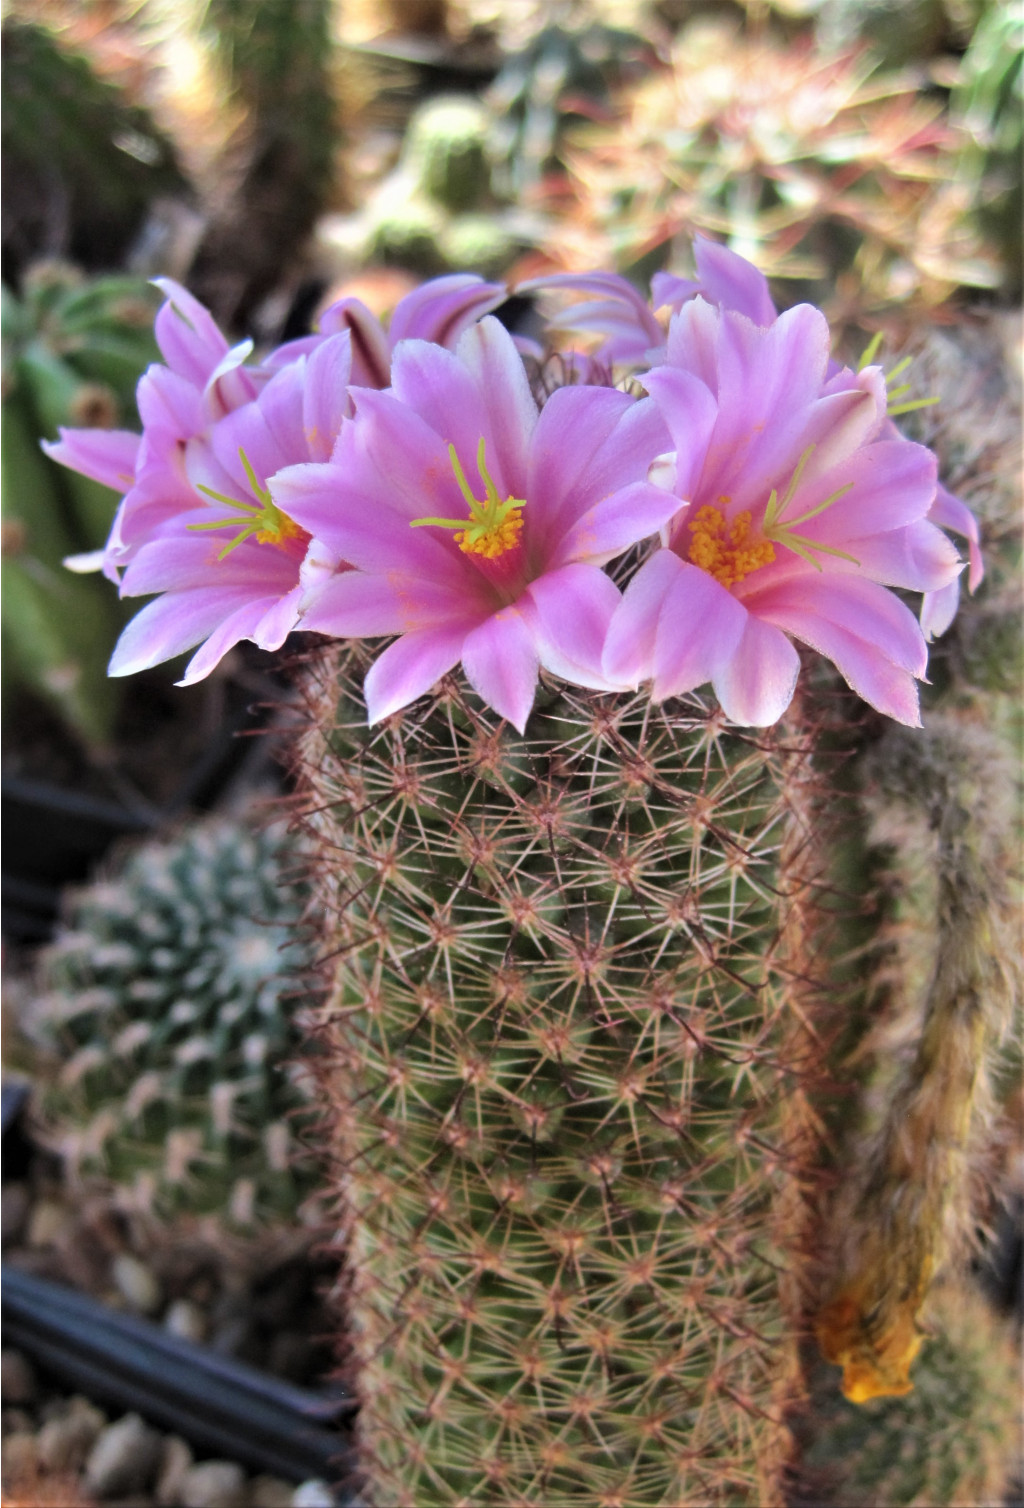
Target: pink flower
[(797, 512), (229, 564), (476, 525)]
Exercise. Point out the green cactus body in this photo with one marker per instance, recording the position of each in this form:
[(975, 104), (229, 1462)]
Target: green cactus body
[(445, 151), (171, 1004), (560, 1028)]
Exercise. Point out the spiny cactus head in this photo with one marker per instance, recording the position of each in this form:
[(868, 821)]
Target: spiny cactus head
[(173, 992)]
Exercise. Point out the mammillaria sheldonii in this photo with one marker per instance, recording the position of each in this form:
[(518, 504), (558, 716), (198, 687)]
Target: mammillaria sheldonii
[(575, 1052)]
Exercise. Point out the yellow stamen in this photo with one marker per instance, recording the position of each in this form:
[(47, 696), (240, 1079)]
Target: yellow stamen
[(726, 552), (493, 527), (261, 521)]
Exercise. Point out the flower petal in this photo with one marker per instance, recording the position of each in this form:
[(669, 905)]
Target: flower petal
[(187, 334), (611, 526), (356, 605), (442, 308), (243, 623), (756, 686), (500, 661), (699, 628), (628, 656), (689, 409), (371, 349), (938, 609), (108, 456), (488, 351), (569, 612), (410, 667), (949, 512), (172, 624), (325, 400)]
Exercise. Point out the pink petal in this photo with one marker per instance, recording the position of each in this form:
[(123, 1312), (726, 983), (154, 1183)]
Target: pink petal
[(325, 400), (690, 411), (170, 407), (243, 623), (628, 656), (172, 624), (229, 385), (618, 312), (489, 353), (891, 484), (371, 349), (589, 442), (108, 456), (728, 279), (699, 628), (949, 512), (867, 633), (693, 341), (356, 605), (569, 612), (918, 558), (435, 384), (500, 662), (178, 564), (938, 609), (361, 528), (757, 684), (611, 526), (411, 666), (441, 309), (187, 334)]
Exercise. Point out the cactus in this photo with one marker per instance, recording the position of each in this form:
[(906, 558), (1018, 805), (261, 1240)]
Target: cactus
[(170, 1002), (84, 163), (814, 164), (74, 350), (560, 1028), (954, 1439), (444, 149)]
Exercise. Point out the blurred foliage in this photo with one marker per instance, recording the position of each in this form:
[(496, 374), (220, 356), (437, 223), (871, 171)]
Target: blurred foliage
[(275, 62), (74, 350), (82, 161)]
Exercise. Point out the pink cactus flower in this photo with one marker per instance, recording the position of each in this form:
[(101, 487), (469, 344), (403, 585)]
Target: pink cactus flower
[(478, 526), (797, 512), (228, 563)]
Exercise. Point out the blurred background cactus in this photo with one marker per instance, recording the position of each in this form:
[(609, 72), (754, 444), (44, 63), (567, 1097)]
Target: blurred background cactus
[(171, 1011), (74, 349)]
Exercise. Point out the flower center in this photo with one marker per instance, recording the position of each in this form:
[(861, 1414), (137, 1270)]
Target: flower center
[(726, 551), (262, 520), (493, 527)]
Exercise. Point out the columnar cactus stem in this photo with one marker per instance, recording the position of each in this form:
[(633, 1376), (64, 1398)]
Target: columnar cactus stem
[(561, 1042)]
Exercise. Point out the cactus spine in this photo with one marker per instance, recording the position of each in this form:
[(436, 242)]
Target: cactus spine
[(559, 1044), (171, 992)]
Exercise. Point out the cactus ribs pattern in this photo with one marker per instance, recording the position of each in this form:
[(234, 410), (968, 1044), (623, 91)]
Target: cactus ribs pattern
[(560, 1064)]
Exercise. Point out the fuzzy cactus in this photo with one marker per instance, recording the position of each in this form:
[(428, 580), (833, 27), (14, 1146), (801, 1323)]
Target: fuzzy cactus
[(170, 1000), (565, 1052), (445, 148)]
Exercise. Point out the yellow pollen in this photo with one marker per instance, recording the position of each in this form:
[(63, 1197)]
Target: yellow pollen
[(280, 527), (495, 540), (725, 551)]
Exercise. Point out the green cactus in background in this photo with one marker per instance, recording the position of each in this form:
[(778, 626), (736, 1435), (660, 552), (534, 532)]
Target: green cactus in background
[(954, 1440), (83, 163), (445, 149), (74, 350), (171, 999), (988, 102)]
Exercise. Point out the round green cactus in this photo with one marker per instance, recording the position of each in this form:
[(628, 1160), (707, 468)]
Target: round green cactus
[(445, 149), (174, 990)]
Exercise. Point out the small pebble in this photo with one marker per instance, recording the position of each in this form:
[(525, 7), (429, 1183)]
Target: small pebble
[(64, 1443), (213, 1484), (136, 1283), (124, 1459), (175, 1462), (46, 1222), (270, 1492), (15, 1201), (312, 1494), (187, 1320), (17, 1379)]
